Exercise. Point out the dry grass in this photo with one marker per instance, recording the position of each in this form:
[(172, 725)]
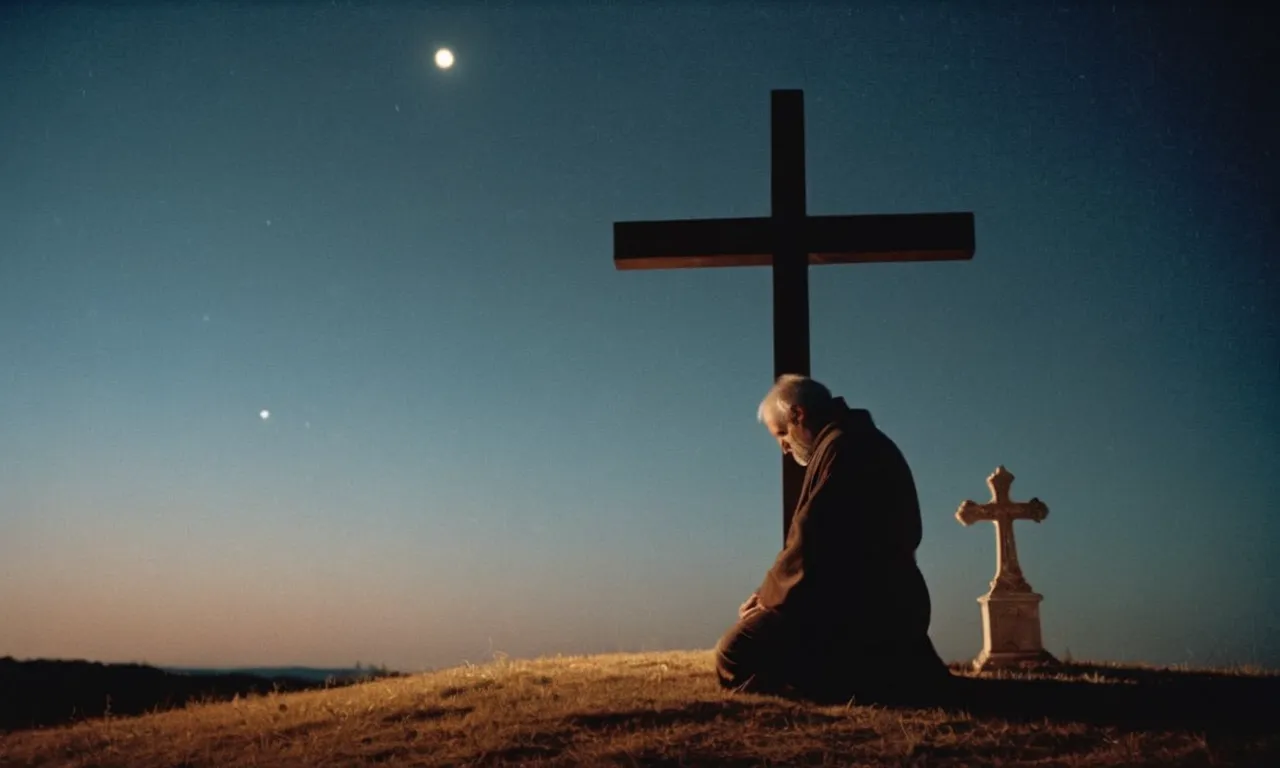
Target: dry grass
[(647, 709)]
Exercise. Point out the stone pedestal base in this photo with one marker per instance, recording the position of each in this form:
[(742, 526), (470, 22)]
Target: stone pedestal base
[(991, 661), (1011, 632)]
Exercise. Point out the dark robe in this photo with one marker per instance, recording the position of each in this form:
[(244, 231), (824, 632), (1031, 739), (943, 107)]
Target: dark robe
[(845, 605)]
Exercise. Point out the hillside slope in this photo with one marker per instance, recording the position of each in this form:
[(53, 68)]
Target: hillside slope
[(665, 708)]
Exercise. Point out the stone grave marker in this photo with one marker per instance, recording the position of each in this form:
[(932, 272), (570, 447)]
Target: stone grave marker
[(1011, 609)]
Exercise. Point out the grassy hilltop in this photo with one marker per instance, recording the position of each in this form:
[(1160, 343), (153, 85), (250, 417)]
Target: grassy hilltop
[(666, 709)]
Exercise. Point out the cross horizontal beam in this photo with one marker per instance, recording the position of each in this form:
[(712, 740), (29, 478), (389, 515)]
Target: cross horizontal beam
[(752, 242)]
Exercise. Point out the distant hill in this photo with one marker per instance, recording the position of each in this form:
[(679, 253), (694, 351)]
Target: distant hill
[(667, 709), (312, 674), (45, 692)]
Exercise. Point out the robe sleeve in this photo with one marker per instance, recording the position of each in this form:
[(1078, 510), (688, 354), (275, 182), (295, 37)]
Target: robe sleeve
[(813, 546)]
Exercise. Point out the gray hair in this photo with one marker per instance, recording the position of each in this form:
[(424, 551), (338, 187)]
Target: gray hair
[(794, 389)]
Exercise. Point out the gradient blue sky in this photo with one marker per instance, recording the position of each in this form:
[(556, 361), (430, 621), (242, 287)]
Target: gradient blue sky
[(484, 438)]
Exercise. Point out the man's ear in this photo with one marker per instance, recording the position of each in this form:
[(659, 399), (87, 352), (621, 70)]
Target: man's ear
[(797, 415)]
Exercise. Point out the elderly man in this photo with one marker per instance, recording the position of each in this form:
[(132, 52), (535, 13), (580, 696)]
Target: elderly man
[(844, 610)]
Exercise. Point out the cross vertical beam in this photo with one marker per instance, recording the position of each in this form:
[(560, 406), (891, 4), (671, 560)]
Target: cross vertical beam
[(790, 263)]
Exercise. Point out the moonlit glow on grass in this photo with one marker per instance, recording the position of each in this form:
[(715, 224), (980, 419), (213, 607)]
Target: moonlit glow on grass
[(444, 58)]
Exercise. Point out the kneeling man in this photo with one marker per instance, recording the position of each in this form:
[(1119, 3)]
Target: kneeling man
[(844, 610)]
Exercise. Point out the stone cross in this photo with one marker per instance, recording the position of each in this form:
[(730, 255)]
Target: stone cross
[(789, 241), (1010, 610), (1001, 511)]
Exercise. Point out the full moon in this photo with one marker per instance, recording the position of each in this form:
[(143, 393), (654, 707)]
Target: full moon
[(265, 414), (444, 58)]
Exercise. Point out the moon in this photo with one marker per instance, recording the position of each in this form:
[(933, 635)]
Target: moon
[(265, 414), (444, 58)]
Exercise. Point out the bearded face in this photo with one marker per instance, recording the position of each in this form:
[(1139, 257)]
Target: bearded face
[(802, 444), (793, 437)]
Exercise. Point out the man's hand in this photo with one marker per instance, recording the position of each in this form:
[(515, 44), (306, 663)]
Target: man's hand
[(750, 606)]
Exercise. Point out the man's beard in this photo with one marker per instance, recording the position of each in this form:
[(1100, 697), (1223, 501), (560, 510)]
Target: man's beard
[(801, 453)]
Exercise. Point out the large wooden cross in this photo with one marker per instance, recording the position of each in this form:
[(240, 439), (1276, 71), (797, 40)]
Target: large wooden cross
[(789, 241)]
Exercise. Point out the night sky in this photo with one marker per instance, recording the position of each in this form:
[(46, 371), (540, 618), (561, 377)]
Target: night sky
[(483, 438)]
